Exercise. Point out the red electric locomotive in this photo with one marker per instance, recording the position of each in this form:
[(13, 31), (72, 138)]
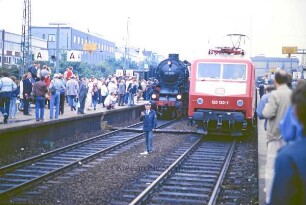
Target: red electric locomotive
[(222, 96)]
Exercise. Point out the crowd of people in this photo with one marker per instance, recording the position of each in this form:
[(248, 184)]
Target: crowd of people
[(53, 91), (283, 107)]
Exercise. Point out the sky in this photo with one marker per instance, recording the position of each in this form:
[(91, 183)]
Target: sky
[(187, 27)]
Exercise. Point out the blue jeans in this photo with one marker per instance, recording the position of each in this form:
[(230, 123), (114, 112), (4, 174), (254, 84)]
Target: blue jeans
[(71, 100), (131, 99), (149, 140), (5, 98), (39, 107), (55, 101), (126, 98), (94, 102), (13, 107)]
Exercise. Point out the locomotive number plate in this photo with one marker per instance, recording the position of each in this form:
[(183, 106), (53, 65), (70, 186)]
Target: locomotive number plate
[(219, 102)]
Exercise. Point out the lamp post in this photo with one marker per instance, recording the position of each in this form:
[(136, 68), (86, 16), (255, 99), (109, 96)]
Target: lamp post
[(126, 50), (57, 44)]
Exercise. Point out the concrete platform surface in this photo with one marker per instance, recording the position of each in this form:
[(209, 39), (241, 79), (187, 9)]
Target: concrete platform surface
[(23, 120), (262, 154)]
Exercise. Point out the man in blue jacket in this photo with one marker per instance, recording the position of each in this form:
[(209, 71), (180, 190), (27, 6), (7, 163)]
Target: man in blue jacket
[(149, 119), (289, 184)]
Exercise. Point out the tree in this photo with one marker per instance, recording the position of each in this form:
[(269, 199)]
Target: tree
[(12, 70)]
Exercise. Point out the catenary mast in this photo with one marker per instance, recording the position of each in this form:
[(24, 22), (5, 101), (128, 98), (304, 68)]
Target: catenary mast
[(26, 38)]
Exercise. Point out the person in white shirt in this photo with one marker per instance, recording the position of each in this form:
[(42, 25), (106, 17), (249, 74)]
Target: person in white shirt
[(110, 101)]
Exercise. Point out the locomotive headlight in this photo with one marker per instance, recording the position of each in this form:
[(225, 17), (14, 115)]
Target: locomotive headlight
[(169, 63), (239, 103), (200, 101), (179, 97), (154, 96)]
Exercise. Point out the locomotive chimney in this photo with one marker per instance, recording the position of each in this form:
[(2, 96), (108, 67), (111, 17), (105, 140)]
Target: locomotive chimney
[(173, 56)]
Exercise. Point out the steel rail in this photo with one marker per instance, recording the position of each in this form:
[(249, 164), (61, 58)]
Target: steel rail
[(143, 195), (15, 165), (214, 195), (20, 187)]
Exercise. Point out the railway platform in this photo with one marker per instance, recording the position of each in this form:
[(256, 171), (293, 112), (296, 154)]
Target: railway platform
[(262, 153), (25, 131), (24, 120)]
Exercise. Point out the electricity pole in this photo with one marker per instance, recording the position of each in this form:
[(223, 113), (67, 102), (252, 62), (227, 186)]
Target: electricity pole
[(126, 50), (26, 37)]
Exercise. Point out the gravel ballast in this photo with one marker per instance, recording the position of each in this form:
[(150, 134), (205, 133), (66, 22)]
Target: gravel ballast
[(101, 179)]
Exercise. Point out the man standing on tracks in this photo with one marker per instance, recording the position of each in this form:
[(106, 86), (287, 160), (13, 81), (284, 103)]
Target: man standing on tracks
[(149, 119), (274, 111)]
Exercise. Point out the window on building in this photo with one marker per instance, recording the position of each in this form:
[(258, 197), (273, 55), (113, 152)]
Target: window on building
[(51, 37), (82, 41), (79, 40), (44, 36), (74, 39)]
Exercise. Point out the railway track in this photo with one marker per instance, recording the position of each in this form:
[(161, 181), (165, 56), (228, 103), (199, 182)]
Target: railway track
[(19, 176), (194, 177)]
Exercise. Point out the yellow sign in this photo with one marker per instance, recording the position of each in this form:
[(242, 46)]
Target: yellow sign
[(289, 50), (90, 46)]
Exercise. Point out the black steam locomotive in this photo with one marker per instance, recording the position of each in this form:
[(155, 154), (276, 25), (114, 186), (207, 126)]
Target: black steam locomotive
[(170, 95)]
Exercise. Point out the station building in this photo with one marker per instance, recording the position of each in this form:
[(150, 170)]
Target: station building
[(72, 39), (10, 47), (267, 65)]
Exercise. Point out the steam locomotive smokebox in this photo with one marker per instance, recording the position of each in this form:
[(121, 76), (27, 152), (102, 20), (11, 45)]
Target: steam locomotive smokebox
[(173, 56)]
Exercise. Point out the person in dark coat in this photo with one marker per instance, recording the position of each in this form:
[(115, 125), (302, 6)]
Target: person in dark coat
[(289, 184), (261, 90), (149, 119), (27, 90), (83, 90), (33, 70)]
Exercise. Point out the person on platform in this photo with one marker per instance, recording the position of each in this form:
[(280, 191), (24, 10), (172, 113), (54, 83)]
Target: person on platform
[(289, 183), (261, 90), (262, 102), (82, 93), (27, 84), (72, 91), (33, 69), (40, 90), (274, 111), (13, 100), (7, 86), (149, 118), (55, 87), (95, 95), (110, 101)]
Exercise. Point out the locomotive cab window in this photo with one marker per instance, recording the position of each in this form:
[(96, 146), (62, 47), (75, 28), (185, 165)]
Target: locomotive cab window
[(209, 70), (234, 72)]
